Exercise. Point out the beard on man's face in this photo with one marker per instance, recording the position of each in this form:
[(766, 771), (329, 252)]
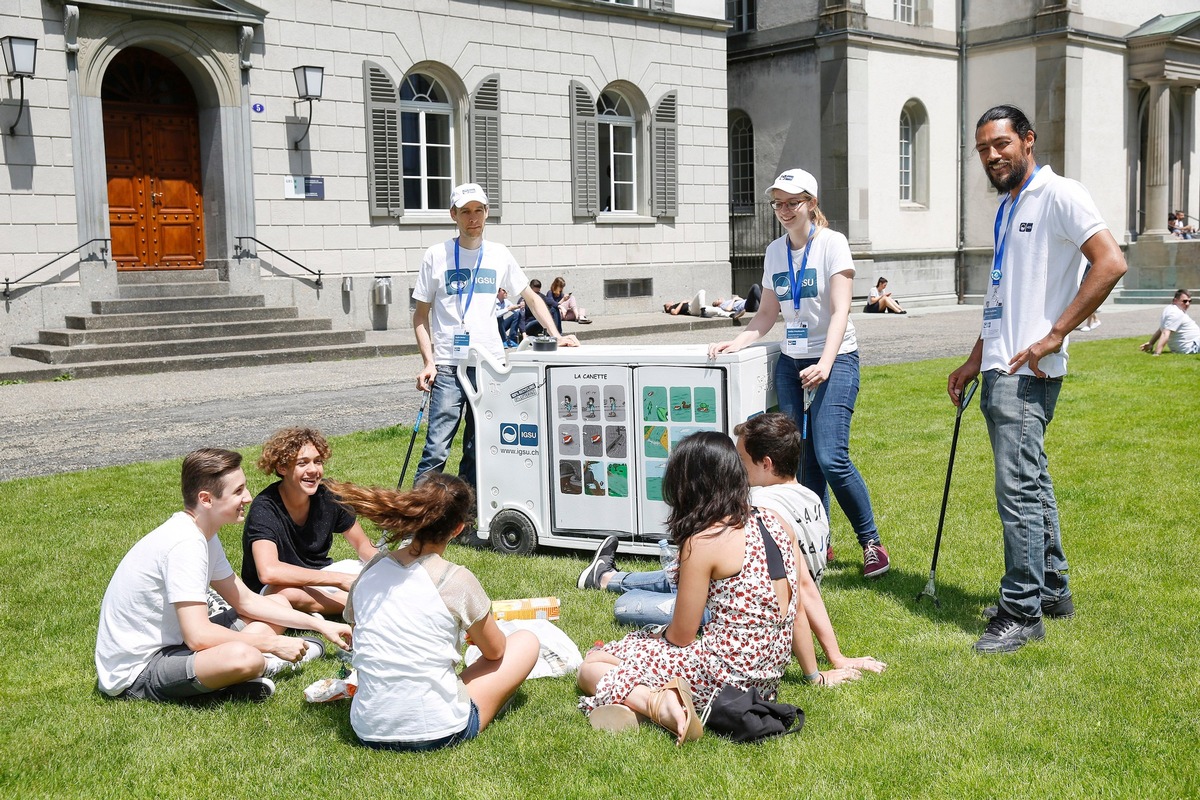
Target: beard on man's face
[(1017, 169)]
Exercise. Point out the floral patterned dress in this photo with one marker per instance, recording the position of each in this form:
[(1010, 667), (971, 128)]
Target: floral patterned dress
[(747, 642)]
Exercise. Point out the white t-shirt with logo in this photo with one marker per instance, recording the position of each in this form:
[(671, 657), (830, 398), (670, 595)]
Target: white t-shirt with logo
[(1185, 333), (1042, 267), (830, 254), (455, 292), (805, 512), (173, 563)]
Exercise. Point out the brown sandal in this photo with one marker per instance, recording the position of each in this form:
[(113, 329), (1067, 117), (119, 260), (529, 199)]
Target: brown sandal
[(693, 728)]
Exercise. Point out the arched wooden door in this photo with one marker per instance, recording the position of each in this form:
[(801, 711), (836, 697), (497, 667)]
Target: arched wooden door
[(152, 150)]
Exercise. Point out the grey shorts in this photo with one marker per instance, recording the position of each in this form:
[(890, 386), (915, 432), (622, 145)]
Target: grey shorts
[(171, 674)]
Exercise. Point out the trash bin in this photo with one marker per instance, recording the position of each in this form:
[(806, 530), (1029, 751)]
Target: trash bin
[(571, 445), (381, 291)]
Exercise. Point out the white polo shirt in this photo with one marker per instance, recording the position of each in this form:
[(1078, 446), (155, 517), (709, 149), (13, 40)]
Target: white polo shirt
[(1185, 333), (1042, 267)]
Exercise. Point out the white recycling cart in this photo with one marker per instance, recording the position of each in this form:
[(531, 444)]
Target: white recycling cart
[(571, 444)]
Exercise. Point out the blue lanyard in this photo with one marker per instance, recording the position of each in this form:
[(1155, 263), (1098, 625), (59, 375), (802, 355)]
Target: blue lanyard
[(462, 312), (1001, 244), (792, 282)]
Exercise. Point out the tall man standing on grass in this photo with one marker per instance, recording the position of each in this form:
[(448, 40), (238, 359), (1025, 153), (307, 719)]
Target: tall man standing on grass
[(1046, 228), (157, 640), (458, 282)]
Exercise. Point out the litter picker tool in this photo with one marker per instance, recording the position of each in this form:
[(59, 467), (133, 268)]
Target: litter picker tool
[(808, 398), (937, 543), (412, 439)]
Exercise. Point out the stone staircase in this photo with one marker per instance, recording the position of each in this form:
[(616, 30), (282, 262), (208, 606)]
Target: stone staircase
[(168, 321)]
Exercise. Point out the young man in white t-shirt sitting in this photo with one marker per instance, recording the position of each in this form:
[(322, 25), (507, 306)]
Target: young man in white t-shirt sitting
[(157, 640), (770, 447), (1176, 328)]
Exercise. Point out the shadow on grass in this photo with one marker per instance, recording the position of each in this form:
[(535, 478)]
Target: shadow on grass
[(960, 607), (335, 715)]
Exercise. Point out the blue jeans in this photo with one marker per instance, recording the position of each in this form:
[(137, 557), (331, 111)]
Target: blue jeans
[(647, 598), (447, 406), (466, 734), (1017, 409), (510, 329), (826, 461)]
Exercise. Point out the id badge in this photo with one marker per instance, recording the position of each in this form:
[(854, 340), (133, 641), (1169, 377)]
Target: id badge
[(796, 343), (462, 343), (992, 316)]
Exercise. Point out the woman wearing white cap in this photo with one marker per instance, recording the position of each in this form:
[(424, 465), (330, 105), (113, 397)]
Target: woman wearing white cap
[(809, 273)]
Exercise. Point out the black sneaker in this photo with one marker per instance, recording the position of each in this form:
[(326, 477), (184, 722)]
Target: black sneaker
[(255, 690), (1005, 634), (470, 538), (604, 561), (1061, 608)]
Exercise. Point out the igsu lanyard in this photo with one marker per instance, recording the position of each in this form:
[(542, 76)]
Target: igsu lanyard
[(792, 282), (462, 312), (1001, 244)]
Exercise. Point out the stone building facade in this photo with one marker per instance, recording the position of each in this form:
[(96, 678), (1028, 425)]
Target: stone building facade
[(169, 135), (879, 98)]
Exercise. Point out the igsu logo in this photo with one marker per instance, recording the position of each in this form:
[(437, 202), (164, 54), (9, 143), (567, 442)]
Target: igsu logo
[(783, 287), (458, 281), (529, 435), (515, 435)]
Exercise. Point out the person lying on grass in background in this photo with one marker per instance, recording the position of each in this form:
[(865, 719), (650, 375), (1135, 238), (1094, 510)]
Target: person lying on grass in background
[(726, 553), (289, 529), (157, 640), (769, 446), (410, 608)]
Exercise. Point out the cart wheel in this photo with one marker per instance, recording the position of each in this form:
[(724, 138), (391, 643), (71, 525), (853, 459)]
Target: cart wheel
[(512, 533)]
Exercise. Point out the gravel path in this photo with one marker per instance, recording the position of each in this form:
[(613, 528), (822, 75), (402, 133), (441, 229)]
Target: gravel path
[(48, 428)]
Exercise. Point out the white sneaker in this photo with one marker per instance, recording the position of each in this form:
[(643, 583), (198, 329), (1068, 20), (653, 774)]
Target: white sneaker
[(1097, 325), (313, 649)]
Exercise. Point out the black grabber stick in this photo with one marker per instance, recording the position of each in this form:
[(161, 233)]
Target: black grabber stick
[(413, 438), (937, 543)]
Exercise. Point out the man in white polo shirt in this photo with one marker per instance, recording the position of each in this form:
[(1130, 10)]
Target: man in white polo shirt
[(1045, 228), (458, 281), (1176, 328)]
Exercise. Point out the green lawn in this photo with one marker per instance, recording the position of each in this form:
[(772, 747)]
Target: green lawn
[(1106, 706)]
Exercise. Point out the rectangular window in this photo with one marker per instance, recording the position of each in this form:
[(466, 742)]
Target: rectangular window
[(742, 14), (426, 152), (619, 289), (904, 11), (906, 165), (618, 167)]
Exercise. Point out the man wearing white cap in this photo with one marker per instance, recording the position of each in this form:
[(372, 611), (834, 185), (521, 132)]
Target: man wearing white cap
[(453, 275)]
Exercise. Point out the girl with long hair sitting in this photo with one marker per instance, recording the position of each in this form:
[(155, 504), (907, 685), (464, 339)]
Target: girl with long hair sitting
[(748, 639), (410, 608)]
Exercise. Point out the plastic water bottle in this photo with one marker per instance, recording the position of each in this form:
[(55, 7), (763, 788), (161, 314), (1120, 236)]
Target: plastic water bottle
[(666, 553), (668, 556)]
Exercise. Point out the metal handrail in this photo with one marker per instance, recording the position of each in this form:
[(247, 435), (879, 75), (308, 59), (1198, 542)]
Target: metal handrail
[(8, 283), (244, 253)]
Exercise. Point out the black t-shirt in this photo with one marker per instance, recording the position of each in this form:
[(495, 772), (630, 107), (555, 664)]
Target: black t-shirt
[(299, 545)]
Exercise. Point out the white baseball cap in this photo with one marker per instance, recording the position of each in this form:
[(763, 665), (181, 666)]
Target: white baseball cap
[(467, 193), (795, 181)]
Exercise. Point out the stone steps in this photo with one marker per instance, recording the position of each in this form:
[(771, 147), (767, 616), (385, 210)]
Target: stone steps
[(68, 337), (166, 321), (143, 366)]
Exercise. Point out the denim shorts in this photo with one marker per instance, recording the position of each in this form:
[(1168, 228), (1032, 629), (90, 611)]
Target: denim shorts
[(466, 734)]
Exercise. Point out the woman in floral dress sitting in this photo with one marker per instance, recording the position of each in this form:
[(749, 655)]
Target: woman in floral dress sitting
[(665, 675)]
